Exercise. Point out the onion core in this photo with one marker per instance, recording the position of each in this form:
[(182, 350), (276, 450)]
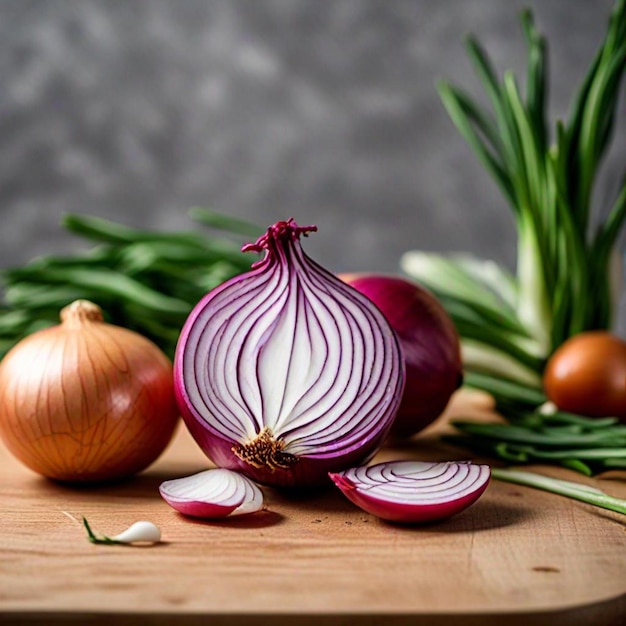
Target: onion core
[(285, 372), (414, 491)]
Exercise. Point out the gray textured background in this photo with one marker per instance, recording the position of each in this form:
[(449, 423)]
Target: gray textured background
[(324, 111)]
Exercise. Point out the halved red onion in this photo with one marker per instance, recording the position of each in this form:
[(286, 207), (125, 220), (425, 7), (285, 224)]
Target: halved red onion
[(414, 491), (285, 373), (213, 493)]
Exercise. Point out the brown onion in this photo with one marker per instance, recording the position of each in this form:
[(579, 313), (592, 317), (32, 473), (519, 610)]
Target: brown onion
[(587, 375), (86, 401)]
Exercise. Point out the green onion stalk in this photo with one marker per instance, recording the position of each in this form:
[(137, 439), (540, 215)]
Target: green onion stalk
[(567, 254), (144, 280)]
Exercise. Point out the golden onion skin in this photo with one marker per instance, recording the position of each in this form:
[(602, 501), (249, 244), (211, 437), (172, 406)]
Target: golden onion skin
[(86, 401)]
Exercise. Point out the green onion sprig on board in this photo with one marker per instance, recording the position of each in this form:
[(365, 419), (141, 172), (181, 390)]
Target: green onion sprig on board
[(586, 445)]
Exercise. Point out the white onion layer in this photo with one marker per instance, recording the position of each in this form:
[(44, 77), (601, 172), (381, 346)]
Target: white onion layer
[(213, 493)]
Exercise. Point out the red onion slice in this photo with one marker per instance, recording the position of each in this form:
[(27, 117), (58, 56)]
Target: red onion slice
[(285, 373), (213, 493), (413, 491)]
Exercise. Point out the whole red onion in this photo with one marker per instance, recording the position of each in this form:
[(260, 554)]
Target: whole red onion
[(429, 341)]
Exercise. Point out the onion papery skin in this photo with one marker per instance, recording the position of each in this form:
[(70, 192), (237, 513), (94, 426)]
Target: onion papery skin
[(285, 372), (430, 344), (213, 494), (86, 401), (411, 492)]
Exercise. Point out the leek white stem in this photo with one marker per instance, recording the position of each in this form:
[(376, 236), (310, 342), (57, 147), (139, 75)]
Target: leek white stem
[(461, 276), (484, 358), (533, 307), (616, 283)]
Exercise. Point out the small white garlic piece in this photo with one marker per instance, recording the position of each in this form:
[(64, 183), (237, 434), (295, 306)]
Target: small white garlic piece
[(139, 532)]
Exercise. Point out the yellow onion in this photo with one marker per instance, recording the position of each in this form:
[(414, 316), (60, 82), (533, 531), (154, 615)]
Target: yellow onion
[(86, 401)]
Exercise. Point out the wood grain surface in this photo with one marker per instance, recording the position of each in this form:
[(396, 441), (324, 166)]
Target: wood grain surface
[(518, 556)]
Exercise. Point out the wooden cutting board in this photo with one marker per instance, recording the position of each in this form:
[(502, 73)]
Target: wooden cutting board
[(518, 556)]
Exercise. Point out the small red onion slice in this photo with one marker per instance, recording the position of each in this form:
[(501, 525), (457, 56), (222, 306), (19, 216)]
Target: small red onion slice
[(414, 491), (213, 493)]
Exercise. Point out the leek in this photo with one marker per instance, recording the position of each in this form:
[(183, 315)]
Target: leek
[(510, 323)]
